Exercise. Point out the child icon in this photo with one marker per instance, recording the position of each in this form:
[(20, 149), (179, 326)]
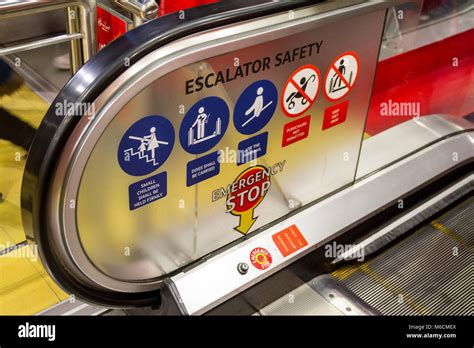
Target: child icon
[(148, 143)]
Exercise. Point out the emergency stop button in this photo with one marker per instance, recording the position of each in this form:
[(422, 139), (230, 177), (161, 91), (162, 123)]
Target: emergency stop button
[(260, 258)]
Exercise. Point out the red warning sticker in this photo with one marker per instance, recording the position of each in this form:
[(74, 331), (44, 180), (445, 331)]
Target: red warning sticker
[(300, 90), (335, 115), (289, 240), (295, 131), (341, 76), (260, 258)]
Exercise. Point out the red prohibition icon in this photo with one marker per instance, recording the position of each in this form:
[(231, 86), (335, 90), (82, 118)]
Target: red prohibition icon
[(341, 76), (300, 90)]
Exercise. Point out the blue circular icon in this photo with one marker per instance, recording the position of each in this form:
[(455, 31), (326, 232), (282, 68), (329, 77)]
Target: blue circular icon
[(204, 125), (146, 145), (255, 107)]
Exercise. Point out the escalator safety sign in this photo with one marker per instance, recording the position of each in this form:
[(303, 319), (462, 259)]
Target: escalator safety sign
[(204, 125), (147, 191), (246, 192), (146, 145), (335, 115), (255, 107), (341, 76), (300, 90), (260, 258)]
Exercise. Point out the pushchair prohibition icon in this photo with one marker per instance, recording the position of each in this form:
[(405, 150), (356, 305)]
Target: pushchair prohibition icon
[(300, 90)]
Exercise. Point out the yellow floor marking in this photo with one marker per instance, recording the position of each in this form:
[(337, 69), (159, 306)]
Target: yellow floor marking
[(38, 265), (11, 172), (451, 234), (26, 105), (344, 272), (5, 240), (23, 290), (25, 287)]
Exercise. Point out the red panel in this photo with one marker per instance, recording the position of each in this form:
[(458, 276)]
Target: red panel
[(439, 76), (289, 240), (119, 27), (104, 27), (170, 6), (335, 114), (295, 131), (109, 27)]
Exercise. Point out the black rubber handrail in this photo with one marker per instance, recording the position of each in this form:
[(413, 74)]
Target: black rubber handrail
[(102, 70)]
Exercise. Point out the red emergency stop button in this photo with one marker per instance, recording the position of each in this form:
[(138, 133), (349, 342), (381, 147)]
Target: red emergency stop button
[(260, 258)]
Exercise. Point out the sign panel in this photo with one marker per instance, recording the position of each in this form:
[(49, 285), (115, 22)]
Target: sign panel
[(295, 131), (252, 148), (255, 107), (341, 76), (202, 168), (300, 90), (147, 191), (256, 140), (146, 145), (335, 115)]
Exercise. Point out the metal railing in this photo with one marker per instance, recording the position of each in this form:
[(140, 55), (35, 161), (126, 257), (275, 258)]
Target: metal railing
[(81, 18), (141, 10)]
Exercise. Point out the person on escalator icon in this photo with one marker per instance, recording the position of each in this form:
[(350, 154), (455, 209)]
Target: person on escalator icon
[(200, 123), (146, 145), (255, 107), (204, 125), (342, 70)]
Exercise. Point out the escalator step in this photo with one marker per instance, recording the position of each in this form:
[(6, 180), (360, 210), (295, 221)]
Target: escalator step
[(428, 273)]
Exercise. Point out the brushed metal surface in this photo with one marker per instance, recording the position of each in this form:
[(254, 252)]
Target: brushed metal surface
[(214, 281), (160, 244), (164, 235), (302, 301), (398, 142)]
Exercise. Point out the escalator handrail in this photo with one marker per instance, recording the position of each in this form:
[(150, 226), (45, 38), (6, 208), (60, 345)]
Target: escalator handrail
[(83, 88)]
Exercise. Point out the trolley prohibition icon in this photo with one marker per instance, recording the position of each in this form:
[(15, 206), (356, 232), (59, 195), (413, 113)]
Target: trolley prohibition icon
[(300, 90)]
